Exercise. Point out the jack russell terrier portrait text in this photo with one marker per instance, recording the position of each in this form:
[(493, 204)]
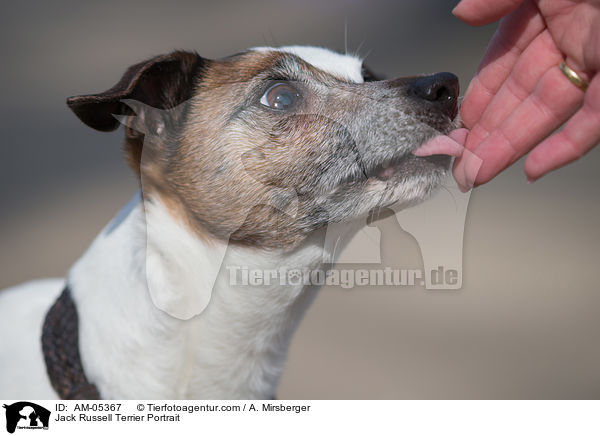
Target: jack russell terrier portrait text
[(245, 161)]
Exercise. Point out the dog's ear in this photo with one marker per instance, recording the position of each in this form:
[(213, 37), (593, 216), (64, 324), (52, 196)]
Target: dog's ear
[(162, 82)]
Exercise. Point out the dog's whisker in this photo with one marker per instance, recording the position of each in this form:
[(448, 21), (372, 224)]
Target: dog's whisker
[(367, 55), (357, 50), (346, 35)]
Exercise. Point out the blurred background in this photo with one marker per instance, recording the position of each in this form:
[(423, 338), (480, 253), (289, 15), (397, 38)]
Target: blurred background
[(525, 324)]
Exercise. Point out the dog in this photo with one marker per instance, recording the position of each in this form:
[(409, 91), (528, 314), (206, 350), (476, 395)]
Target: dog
[(244, 161)]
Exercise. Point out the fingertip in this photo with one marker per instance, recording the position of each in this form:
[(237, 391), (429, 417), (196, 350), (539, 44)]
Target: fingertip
[(457, 173), (533, 167), (462, 9), (468, 11), (460, 180), (481, 12), (484, 173), (463, 189), (531, 172), (472, 170), (457, 10), (466, 170)]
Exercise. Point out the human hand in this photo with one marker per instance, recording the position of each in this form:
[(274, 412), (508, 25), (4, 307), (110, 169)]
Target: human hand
[(520, 96)]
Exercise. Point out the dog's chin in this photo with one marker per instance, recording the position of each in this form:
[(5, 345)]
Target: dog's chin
[(411, 166), (406, 183), (410, 181)]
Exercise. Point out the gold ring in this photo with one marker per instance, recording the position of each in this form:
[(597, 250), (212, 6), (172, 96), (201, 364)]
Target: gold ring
[(575, 78)]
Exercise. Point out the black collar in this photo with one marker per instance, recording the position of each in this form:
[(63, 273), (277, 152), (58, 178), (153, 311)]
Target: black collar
[(60, 345)]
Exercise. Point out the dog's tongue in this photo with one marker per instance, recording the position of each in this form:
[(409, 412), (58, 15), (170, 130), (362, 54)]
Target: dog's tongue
[(452, 145)]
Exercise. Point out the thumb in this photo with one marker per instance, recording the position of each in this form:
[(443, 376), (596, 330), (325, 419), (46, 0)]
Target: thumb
[(480, 12)]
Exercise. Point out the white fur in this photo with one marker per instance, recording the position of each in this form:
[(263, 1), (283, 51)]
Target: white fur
[(234, 349), (131, 349), (346, 67)]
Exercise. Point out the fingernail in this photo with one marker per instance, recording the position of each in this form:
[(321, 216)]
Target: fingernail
[(530, 180)]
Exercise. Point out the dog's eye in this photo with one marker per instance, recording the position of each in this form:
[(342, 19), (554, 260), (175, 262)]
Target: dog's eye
[(280, 96)]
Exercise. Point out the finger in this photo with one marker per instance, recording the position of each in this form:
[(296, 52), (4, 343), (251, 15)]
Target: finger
[(553, 101), (480, 12), (468, 174), (536, 60), (579, 135), (539, 57), (515, 33)]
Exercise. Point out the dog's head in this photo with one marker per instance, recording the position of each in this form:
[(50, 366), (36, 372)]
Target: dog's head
[(268, 145)]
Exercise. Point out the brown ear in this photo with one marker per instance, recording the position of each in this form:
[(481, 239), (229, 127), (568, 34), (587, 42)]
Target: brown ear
[(162, 82)]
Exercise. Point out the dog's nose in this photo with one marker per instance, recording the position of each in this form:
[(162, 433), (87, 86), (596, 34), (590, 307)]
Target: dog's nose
[(440, 89)]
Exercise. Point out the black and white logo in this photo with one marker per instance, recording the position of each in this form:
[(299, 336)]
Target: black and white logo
[(26, 415)]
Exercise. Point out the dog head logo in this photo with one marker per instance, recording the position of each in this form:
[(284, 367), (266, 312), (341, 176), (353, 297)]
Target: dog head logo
[(26, 415)]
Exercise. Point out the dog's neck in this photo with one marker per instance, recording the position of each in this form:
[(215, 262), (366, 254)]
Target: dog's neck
[(235, 348)]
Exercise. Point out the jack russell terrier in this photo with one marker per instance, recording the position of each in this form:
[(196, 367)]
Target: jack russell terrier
[(253, 156)]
